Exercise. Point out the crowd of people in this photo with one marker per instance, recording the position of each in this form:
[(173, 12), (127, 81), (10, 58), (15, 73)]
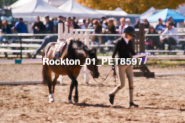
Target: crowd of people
[(103, 26), (166, 34)]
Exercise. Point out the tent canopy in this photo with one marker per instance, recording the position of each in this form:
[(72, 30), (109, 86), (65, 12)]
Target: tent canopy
[(164, 14), (37, 8), (148, 13), (116, 12), (78, 10), (20, 3), (118, 9)]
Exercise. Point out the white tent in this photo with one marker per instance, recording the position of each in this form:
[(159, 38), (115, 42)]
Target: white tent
[(57, 3), (20, 3), (116, 12), (118, 9), (148, 13), (78, 10), (37, 8)]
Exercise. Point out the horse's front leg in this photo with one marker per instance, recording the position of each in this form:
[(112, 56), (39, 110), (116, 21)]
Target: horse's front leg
[(54, 82), (74, 83), (76, 91), (71, 91)]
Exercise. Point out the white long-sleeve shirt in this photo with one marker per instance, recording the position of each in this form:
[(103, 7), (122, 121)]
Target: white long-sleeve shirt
[(167, 33)]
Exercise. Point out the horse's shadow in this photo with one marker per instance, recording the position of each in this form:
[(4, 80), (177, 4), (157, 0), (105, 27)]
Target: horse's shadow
[(90, 85), (158, 108), (98, 105), (182, 109)]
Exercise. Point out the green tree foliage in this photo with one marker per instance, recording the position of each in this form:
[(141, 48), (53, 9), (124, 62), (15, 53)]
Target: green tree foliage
[(4, 3)]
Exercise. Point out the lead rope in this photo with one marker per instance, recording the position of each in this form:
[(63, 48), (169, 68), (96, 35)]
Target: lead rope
[(106, 77)]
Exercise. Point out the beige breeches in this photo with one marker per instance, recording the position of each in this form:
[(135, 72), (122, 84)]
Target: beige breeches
[(129, 72)]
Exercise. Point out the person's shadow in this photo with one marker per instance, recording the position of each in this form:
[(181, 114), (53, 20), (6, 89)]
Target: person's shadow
[(83, 104)]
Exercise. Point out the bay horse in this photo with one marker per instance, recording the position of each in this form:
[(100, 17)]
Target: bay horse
[(75, 50)]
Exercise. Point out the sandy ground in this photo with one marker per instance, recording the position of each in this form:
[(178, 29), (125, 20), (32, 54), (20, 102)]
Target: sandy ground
[(160, 99)]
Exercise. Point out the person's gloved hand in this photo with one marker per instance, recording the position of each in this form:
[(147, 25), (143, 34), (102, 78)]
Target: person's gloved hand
[(113, 68), (114, 71)]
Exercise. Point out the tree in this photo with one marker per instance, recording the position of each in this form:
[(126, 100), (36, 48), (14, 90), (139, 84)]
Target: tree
[(4, 3), (131, 6)]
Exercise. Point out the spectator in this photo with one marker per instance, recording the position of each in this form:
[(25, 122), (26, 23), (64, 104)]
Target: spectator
[(38, 26), (85, 21), (102, 20), (81, 24), (104, 24), (116, 24), (69, 23), (111, 28), (75, 23), (60, 20), (20, 26), (152, 42), (127, 23), (122, 24), (136, 25), (146, 23), (90, 25), (166, 38), (5, 27), (160, 26), (170, 20), (49, 25), (98, 30)]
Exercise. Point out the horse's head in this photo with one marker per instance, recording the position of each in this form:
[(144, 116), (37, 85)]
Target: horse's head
[(93, 63), (91, 57)]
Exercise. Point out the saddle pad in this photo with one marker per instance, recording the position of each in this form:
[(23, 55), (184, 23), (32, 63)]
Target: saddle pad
[(60, 49)]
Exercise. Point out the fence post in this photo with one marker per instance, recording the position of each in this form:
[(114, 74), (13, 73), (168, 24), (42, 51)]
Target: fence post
[(86, 73), (21, 47), (142, 37), (60, 31)]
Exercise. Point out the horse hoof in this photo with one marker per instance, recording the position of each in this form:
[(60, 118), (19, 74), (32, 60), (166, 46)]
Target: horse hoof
[(75, 99), (70, 101), (51, 99)]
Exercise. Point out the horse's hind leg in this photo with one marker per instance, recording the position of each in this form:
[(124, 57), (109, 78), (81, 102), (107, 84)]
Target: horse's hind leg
[(49, 83), (47, 80)]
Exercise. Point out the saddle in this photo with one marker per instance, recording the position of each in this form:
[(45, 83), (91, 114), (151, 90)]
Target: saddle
[(60, 49)]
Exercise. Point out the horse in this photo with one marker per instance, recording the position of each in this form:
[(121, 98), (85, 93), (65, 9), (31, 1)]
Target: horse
[(75, 49)]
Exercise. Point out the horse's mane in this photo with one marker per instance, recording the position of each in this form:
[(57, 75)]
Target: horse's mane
[(77, 44), (74, 47)]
